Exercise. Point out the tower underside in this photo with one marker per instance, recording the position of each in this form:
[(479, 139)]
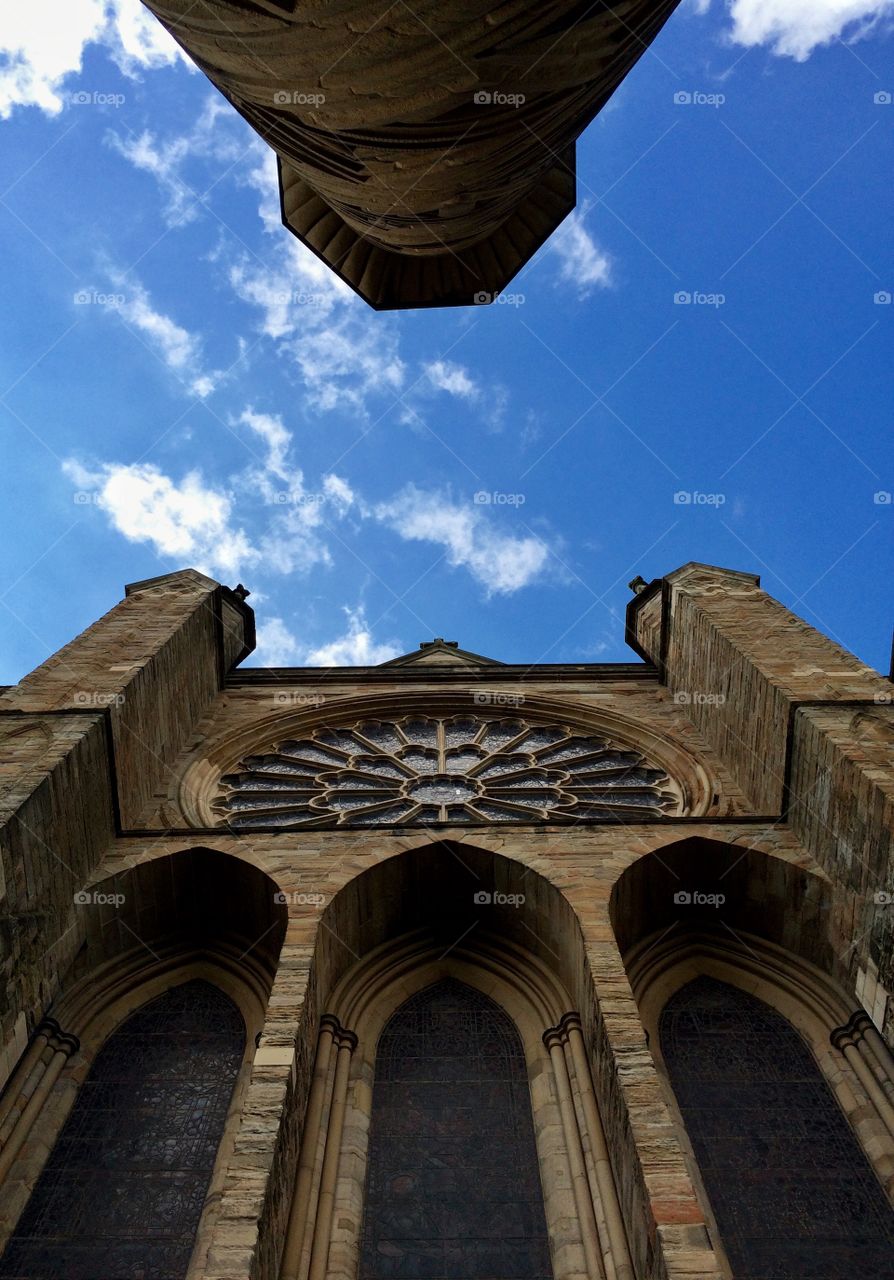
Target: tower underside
[(424, 154)]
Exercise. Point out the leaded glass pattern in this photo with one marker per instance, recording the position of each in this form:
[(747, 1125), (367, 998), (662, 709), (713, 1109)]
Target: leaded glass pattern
[(421, 770), (122, 1192), (794, 1196), (453, 1184)]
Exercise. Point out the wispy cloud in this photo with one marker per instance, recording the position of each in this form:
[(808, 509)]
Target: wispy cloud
[(499, 561), (189, 521), (278, 646), (179, 349), (582, 264), (42, 44), (444, 375), (166, 160), (794, 28)]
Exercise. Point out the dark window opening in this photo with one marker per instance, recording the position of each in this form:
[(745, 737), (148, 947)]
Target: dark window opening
[(122, 1192), (453, 1183), (793, 1193)]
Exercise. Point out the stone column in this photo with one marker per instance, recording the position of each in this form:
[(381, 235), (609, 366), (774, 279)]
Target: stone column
[(53, 1047), (333, 1036), (346, 1043), (295, 1232), (555, 1040), (614, 1236), (867, 1055)]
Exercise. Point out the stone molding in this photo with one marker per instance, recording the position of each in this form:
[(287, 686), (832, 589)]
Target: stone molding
[(700, 792), (850, 1054), (587, 1233)]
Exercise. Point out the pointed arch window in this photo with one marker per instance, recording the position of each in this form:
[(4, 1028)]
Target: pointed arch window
[(453, 1182), (122, 1192), (793, 1194)]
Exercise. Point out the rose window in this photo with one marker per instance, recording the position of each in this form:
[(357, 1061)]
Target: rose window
[(421, 770)]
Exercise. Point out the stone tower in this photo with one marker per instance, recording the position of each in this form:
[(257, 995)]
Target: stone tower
[(448, 968), (425, 151)]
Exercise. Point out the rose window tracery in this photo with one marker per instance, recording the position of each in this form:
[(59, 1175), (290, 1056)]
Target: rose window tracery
[(462, 769)]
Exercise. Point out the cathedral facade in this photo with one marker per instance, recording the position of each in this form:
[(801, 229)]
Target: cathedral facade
[(448, 969)]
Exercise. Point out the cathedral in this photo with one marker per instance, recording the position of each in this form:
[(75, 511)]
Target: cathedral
[(448, 968)]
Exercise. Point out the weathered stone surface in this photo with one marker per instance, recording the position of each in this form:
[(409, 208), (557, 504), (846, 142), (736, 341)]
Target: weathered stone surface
[(787, 783)]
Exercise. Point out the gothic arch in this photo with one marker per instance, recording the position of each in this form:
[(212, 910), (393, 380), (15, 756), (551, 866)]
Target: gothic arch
[(767, 939), (196, 915), (395, 930)]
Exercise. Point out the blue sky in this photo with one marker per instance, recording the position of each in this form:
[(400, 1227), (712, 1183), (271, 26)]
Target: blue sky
[(183, 384)]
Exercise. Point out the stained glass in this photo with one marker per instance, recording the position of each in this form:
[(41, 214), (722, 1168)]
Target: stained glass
[(453, 1183), (122, 1192), (794, 1196), (465, 769)]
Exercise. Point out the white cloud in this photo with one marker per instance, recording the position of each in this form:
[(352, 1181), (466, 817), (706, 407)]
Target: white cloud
[(270, 428), (342, 352), (190, 521), (194, 521), (444, 375), (165, 161), (356, 648), (500, 562), (795, 28), (582, 264), (42, 44), (280, 647), (180, 350), (276, 645), (339, 492)]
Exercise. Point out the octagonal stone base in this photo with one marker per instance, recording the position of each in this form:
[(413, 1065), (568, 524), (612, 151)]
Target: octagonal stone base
[(389, 281)]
